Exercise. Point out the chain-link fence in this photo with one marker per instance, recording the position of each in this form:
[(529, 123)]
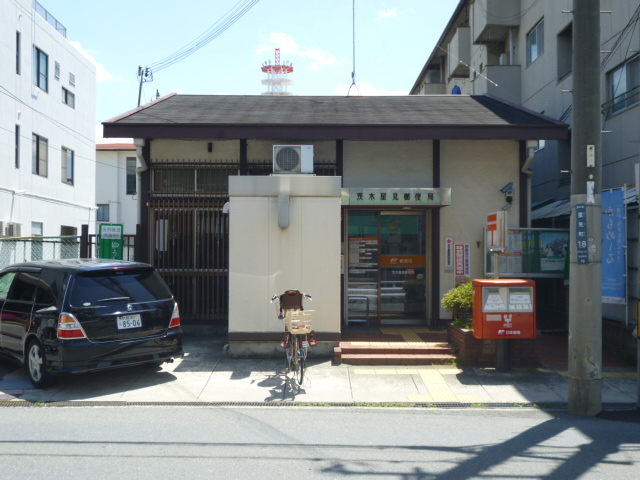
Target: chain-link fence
[(27, 249)]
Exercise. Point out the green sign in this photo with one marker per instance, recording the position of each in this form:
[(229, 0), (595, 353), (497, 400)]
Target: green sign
[(396, 197), (111, 240)]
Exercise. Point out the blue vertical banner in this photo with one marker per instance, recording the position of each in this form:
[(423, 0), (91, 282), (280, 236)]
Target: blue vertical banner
[(614, 243)]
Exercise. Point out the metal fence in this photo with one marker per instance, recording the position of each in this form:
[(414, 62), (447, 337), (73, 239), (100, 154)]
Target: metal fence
[(128, 247), (27, 249)]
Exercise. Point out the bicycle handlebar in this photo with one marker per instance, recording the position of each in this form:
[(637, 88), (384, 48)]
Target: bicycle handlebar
[(305, 295)]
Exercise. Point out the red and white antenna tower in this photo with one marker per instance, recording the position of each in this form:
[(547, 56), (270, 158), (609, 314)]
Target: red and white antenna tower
[(277, 81)]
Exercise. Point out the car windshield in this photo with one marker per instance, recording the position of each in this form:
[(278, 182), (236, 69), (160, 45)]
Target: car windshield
[(128, 286)]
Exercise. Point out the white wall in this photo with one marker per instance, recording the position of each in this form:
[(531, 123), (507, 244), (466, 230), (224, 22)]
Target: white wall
[(26, 197), (265, 259), (475, 171), (111, 188), (388, 164)]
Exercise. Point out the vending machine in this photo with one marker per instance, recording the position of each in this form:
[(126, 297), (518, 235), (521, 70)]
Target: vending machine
[(504, 308)]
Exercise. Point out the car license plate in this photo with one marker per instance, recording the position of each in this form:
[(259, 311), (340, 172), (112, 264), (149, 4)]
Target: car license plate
[(129, 321)]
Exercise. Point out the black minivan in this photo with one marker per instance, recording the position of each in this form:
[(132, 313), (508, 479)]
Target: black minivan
[(69, 316)]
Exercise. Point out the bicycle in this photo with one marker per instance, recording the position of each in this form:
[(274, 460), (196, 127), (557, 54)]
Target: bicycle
[(298, 335)]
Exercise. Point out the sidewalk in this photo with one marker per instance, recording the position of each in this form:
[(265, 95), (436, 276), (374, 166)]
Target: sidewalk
[(206, 375)]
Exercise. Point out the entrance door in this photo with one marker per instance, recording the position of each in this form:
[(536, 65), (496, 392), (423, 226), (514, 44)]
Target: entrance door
[(387, 267)]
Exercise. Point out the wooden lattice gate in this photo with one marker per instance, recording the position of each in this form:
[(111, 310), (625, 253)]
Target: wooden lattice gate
[(188, 236)]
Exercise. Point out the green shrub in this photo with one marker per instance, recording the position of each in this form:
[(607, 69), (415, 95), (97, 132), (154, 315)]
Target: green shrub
[(459, 300)]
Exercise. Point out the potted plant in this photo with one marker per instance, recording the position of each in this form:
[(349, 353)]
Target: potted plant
[(459, 301)]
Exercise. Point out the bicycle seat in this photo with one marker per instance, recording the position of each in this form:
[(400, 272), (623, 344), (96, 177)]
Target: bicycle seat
[(291, 299)]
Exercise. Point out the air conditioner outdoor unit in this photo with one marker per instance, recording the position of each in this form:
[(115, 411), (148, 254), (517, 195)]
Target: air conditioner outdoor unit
[(293, 159), (3, 229), (14, 230)]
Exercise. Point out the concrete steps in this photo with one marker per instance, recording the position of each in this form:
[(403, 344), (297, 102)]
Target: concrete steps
[(394, 353)]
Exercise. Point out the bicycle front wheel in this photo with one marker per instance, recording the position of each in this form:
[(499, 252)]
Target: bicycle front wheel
[(294, 356), (300, 371)]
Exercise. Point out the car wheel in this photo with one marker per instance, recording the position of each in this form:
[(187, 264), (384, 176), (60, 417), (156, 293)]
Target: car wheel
[(36, 364)]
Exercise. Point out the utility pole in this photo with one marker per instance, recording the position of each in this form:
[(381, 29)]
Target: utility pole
[(585, 288)]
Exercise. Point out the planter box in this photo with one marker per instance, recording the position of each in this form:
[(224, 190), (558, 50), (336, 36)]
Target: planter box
[(482, 353)]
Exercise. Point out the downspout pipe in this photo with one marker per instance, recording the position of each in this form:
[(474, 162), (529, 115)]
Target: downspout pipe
[(139, 143), (532, 146)]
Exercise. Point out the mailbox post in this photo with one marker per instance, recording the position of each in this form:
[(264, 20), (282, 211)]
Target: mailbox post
[(504, 309)]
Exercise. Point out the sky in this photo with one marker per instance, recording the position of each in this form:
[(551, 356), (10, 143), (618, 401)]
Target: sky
[(393, 40)]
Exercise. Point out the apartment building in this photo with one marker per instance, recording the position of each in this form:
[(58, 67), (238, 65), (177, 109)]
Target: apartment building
[(521, 51), (47, 126)]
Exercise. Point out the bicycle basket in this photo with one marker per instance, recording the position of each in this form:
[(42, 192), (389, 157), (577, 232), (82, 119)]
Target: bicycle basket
[(300, 322)]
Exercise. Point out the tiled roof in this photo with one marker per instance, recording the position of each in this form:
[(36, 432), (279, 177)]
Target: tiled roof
[(395, 117), (115, 146)]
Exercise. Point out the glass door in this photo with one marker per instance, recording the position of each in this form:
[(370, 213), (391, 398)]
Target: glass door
[(387, 267), (362, 267), (402, 268)]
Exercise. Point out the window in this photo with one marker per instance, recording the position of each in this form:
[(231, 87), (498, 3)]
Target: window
[(131, 175), (68, 98), (624, 85), (67, 165), (17, 146), (56, 70), (24, 288), (40, 69), (535, 43), (72, 79), (5, 284), (103, 213), (18, 53), (565, 51), (40, 155), (66, 231)]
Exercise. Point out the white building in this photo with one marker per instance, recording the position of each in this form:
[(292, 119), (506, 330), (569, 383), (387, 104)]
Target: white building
[(116, 185), (47, 126)]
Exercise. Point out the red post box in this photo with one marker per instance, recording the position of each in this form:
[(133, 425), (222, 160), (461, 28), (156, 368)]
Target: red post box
[(504, 308)]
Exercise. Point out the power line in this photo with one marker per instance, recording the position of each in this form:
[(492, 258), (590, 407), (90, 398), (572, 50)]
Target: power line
[(232, 16), (8, 93)]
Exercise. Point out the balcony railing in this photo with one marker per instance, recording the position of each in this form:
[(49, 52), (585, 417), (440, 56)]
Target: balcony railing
[(50, 19), (616, 104)]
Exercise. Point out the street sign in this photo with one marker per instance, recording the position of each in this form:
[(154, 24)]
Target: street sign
[(462, 264), (111, 240), (582, 234), (497, 230)]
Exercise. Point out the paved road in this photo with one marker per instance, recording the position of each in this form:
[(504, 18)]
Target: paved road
[(310, 442)]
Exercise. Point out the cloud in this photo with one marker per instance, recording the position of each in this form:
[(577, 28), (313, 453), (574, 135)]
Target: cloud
[(102, 74), (366, 90), (388, 13), (290, 50)]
